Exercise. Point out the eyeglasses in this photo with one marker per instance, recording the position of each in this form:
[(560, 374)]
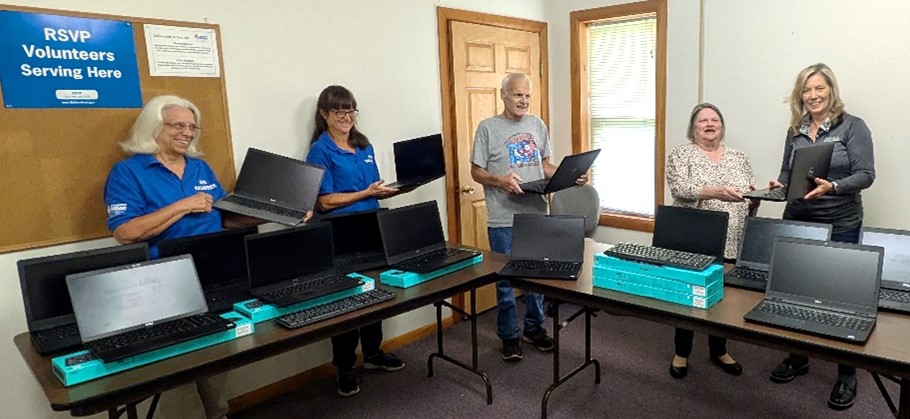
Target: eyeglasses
[(341, 113), (180, 126)]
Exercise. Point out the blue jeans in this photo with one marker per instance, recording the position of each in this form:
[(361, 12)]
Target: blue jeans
[(507, 320)]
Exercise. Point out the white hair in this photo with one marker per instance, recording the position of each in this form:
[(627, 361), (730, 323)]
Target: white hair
[(512, 77), (150, 122)]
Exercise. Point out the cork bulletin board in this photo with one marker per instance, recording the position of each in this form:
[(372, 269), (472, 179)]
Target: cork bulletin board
[(54, 162)]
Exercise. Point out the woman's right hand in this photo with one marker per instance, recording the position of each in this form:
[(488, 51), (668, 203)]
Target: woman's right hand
[(200, 202)]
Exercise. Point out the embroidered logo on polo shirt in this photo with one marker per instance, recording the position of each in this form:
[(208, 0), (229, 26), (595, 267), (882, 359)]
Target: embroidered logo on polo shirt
[(114, 210), (832, 140), (204, 186), (369, 159)]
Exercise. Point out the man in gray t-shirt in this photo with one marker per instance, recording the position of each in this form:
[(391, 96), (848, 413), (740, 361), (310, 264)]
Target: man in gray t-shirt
[(509, 149)]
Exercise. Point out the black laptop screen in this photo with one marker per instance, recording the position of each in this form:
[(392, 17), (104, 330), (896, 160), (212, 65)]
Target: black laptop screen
[(420, 157), (691, 230), (43, 280), (759, 234), (219, 257), (896, 267), (355, 233), (839, 273), (543, 237), (408, 229), (116, 300), (284, 255), (280, 179)]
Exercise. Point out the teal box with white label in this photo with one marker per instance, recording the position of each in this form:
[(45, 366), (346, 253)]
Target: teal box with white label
[(403, 279), (82, 366)]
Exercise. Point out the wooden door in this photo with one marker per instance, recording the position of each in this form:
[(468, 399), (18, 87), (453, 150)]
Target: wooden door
[(483, 50)]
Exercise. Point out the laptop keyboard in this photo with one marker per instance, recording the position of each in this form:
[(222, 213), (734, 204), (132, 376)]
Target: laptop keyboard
[(347, 261), (314, 287), (544, 265), (59, 332), (157, 336), (894, 295), (246, 202), (777, 194), (334, 309), (535, 186), (432, 257), (749, 274), (815, 316), (660, 256)]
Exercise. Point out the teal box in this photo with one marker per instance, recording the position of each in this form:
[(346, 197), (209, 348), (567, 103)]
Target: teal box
[(715, 284), (82, 366), (703, 278), (402, 279), (685, 299), (257, 311)]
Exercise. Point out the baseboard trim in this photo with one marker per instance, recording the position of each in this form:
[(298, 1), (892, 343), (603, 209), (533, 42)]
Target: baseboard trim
[(287, 385)]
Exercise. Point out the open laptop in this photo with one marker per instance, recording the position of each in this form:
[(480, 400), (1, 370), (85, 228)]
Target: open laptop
[(754, 257), (413, 240), (546, 246), (48, 310), (806, 164), (356, 241), (131, 309), (565, 176), (691, 230), (294, 265), (826, 288), (274, 188), (220, 260), (418, 161), (895, 287)]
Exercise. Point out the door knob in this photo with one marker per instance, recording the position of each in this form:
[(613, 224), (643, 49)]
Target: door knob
[(467, 190)]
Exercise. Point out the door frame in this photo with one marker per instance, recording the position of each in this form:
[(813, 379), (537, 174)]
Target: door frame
[(444, 17)]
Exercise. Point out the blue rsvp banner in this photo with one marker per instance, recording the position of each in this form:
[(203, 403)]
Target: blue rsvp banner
[(52, 61)]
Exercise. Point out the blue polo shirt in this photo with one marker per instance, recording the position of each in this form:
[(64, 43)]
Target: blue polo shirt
[(141, 185), (345, 171)]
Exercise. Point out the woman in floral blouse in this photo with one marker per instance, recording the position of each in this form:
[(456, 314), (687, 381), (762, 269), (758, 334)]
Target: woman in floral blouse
[(707, 174)]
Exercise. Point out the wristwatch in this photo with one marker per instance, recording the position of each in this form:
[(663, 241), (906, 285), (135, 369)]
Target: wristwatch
[(834, 186)]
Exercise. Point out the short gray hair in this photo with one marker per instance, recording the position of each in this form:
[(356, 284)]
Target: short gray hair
[(510, 77), (690, 134), (150, 122)]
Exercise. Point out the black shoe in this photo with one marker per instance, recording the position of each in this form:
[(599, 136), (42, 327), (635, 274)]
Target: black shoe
[(511, 350), (787, 371), (383, 361), (540, 340), (733, 369), (844, 392), (678, 372), (348, 383)]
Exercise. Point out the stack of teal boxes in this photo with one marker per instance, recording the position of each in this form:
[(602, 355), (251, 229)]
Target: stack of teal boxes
[(700, 289)]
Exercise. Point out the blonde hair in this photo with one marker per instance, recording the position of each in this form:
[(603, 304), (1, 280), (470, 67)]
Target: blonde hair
[(798, 110), (150, 122)]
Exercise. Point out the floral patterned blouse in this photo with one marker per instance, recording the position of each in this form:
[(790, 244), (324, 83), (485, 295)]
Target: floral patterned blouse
[(689, 170)]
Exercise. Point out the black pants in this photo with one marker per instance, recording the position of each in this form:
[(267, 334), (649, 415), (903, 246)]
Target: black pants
[(841, 368), (717, 346), (344, 346)]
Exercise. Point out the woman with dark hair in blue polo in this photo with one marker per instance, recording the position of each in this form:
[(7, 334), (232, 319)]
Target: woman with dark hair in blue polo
[(351, 183)]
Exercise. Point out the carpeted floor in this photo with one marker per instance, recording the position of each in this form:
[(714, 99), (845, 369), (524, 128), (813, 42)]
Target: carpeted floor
[(634, 356)]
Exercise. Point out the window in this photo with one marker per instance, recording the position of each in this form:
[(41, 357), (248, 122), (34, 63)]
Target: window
[(618, 89)]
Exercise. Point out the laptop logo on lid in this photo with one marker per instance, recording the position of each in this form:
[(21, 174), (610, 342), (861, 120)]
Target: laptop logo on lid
[(905, 285), (817, 301)]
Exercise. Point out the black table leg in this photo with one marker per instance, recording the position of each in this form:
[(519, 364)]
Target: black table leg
[(557, 379), (441, 353)]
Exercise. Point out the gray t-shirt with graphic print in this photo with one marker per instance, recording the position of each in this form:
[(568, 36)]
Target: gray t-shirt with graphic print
[(502, 146)]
